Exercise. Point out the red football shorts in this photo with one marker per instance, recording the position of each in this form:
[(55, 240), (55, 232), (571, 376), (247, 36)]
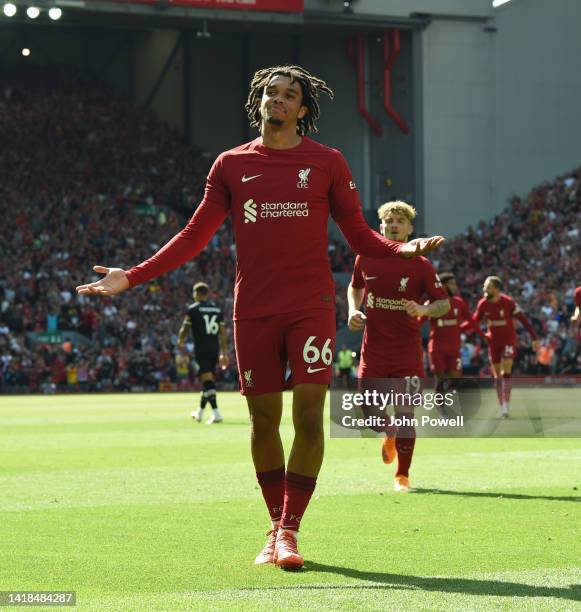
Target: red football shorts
[(445, 361), (499, 351), (267, 347), (403, 383)]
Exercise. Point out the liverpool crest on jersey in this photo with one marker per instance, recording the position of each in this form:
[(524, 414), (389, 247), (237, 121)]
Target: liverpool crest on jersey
[(304, 178), (403, 283)]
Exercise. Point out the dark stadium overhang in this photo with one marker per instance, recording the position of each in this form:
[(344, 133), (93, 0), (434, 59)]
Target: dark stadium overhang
[(143, 16)]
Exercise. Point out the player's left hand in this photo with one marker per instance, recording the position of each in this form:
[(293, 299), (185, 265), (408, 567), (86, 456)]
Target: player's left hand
[(421, 246), (223, 361), (536, 344), (414, 309)]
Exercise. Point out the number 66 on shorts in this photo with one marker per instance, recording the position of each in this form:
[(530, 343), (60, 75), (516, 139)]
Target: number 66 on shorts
[(303, 340)]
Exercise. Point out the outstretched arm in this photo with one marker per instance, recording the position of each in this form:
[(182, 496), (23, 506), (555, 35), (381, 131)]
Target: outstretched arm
[(187, 244), (476, 318), (365, 241), (345, 207), (181, 248)]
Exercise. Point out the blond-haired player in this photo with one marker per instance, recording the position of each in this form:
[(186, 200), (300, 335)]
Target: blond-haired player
[(393, 292)]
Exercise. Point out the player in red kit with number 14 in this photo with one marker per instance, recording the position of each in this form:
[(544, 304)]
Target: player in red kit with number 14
[(279, 190), (500, 310)]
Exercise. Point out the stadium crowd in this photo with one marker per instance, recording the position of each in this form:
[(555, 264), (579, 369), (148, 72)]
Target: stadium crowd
[(533, 245), (87, 178)]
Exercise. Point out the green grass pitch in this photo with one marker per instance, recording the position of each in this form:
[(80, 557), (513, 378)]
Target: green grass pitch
[(127, 501)]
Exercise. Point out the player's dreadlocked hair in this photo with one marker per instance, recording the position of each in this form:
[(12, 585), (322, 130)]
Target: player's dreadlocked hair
[(310, 85), (446, 276)]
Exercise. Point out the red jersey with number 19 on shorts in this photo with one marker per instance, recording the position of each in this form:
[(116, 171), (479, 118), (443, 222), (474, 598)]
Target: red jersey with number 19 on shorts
[(392, 341)]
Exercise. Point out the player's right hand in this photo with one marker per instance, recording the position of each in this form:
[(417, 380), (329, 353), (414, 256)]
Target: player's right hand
[(356, 320), (421, 246), (114, 281)]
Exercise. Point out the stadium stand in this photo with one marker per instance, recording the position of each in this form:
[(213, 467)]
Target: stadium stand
[(89, 179), (533, 245)]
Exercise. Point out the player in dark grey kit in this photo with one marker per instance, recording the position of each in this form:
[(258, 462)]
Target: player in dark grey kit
[(206, 322)]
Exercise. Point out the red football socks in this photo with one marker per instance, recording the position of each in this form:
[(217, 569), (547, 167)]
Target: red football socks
[(272, 485), (405, 442), (298, 492)]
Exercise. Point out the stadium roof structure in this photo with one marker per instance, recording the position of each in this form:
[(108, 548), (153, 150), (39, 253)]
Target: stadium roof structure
[(207, 16), (225, 14)]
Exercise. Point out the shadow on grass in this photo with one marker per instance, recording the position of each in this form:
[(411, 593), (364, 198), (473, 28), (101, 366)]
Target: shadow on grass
[(463, 586), (572, 498)]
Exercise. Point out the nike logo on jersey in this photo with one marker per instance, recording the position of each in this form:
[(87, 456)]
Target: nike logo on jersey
[(370, 277), (313, 370), (245, 178)]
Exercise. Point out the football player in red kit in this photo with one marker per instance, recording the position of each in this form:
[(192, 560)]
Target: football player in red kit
[(279, 190), (392, 345), (499, 310), (444, 343)]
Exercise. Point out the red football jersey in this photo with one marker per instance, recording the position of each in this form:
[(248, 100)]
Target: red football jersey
[(280, 201), (499, 316), (445, 330), (392, 338)]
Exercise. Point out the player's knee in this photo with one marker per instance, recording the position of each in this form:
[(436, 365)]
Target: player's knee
[(263, 425), (309, 425)]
